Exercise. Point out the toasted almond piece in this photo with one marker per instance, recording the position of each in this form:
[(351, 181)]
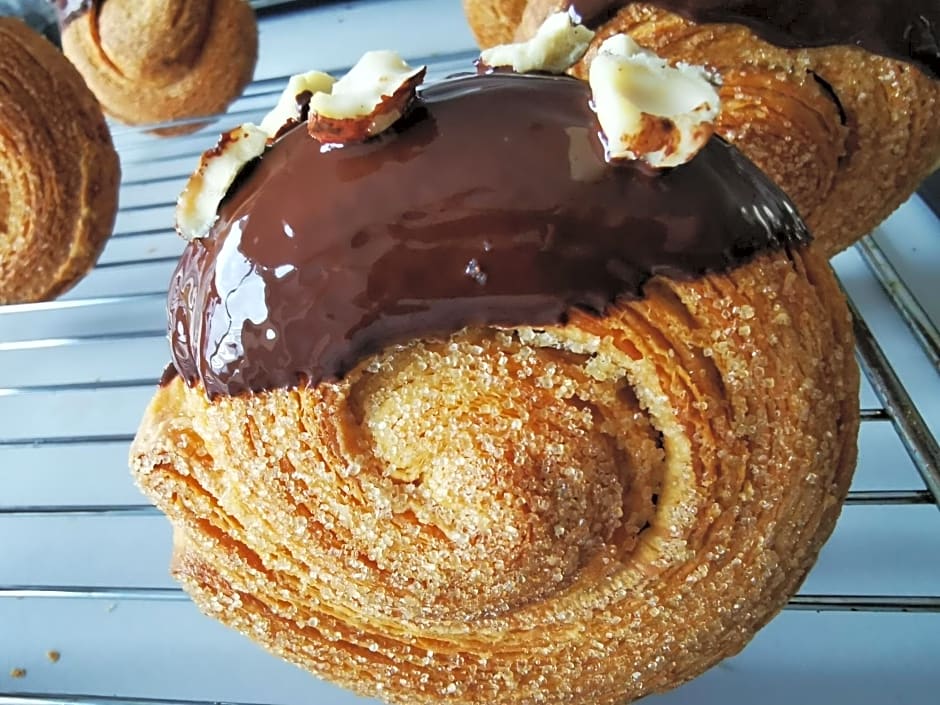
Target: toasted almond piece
[(649, 110), (369, 99), (198, 204), (557, 45), (290, 105), (333, 130)]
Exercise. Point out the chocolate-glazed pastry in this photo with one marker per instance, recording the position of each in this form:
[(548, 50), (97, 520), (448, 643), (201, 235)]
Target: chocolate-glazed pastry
[(835, 100), (59, 172), (481, 243), (153, 62), (468, 413)]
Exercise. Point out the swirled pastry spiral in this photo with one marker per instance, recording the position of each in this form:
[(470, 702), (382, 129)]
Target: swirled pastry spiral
[(835, 100), (152, 61), (529, 428), (59, 171)]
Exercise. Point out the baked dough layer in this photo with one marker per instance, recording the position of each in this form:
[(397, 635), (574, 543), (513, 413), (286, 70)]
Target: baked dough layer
[(583, 513), (151, 61), (59, 172)]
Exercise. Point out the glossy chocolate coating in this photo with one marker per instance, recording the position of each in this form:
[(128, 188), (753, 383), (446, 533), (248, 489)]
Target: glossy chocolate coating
[(491, 203), (903, 29)]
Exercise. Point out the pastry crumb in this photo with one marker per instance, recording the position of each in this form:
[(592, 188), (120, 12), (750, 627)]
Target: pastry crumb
[(18, 673), (53, 656)]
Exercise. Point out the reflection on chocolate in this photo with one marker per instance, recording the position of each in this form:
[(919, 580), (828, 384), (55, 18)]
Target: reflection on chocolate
[(903, 29), (71, 9), (490, 204)]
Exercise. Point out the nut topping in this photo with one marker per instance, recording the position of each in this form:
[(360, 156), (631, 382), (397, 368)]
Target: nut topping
[(288, 108), (197, 206), (649, 110), (369, 99), (557, 45)]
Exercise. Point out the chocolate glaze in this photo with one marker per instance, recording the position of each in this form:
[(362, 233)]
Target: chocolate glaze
[(903, 29), (491, 203), (71, 9), (169, 374)]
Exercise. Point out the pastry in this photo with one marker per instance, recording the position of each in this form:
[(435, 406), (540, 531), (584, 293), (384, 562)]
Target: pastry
[(59, 172), (152, 61), (476, 408), (835, 100)]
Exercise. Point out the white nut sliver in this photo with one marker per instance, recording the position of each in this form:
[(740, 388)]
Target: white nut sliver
[(198, 204), (649, 110), (287, 107), (558, 44), (367, 100)]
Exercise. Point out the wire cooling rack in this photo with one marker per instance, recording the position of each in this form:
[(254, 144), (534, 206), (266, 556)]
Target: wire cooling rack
[(87, 611)]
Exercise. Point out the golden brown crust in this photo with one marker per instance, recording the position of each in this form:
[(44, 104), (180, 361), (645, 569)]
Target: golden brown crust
[(156, 61), (845, 179), (578, 514), (494, 21), (59, 172)]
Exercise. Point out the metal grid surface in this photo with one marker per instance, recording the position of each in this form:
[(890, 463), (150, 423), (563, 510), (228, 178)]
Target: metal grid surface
[(79, 546)]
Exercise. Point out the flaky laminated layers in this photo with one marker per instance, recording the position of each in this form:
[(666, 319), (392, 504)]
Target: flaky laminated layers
[(585, 511), (59, 172), (578, 514), (152, 61)]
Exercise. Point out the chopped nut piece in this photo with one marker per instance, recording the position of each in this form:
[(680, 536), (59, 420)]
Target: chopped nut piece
[(649, 110), (557, 45), (53, 656), (196, 209), (288, 108), (375, 93), (18, 673)]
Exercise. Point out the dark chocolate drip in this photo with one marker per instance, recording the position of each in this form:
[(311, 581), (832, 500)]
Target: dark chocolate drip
[(169, 374), (70, 10), (490, 204), (902, 29)]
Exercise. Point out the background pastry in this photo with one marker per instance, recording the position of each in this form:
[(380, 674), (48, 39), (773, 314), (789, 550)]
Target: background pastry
[(836, 100), (152, 61), (59, 171), (533, 427)]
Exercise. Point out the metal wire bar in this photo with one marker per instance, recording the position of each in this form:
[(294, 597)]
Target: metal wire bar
[(89, 439), (882, 498), (151, 180), (116, 510), (149, 206), (907, 421), (868, 498), (75, 699), (818, 603), (41, 343), (904, 300), (120, 234), (865, 603), (163, 259), (262, 7), (77, 386), (89, 592), (65, 304)]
